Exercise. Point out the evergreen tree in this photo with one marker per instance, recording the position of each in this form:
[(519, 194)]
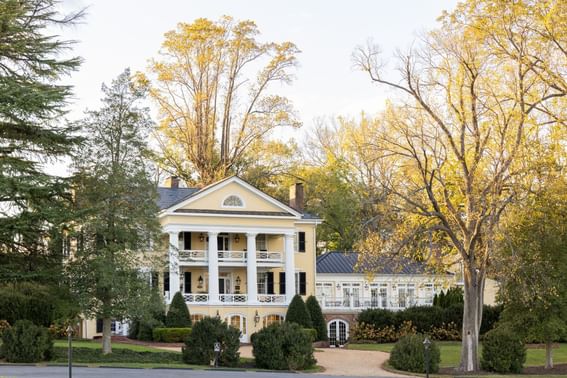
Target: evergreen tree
[(32, 103), (178, 313), (317, 318), (297, 312), (116, 208)]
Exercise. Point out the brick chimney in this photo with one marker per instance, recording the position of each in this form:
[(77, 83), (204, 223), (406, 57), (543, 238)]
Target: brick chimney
[(172, 182), (296, 196)]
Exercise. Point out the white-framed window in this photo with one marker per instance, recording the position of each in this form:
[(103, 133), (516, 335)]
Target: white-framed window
[(323, 289), (379, 295), (273, 319), (233, 201), (262, 278), (261, 242), (428, 293), (196, 318), (406, 295)]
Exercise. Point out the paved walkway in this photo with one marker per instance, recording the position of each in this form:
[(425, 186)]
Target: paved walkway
[(339, 361)]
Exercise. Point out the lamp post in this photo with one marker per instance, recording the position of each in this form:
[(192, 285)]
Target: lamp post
[(70, 351), (426, 345)]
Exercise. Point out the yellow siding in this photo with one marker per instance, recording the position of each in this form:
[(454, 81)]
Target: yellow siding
[(213, 200)]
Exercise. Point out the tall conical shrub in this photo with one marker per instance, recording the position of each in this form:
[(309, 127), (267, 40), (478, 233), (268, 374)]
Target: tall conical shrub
[(297, 312), (178, 313), (317, 319)]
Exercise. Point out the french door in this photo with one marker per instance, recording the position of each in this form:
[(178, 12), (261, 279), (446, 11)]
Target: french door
[(338, 332)]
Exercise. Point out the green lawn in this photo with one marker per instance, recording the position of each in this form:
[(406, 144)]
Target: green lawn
[(95, 344), (451, 353)]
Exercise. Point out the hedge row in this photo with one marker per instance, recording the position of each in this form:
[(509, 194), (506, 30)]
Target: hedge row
[(171, 335), (428, 318), (90, 355), (26, 302)]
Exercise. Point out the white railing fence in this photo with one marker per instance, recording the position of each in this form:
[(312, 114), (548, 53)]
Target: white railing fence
[(193, 255), (233, 298), (271, 298), (267, 256), (235, 256), (196, 298)]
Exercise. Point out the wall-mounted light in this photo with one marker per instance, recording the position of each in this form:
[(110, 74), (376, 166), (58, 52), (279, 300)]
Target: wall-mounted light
[(366, 286), (338, 286), (201, 237), (256, 318), (238, 281), (200, 282), (236, 238), (218, 315)]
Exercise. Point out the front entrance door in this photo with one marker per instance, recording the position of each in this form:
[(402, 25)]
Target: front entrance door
[(239, 322), (338, 332), (224, 285), (222, 242)]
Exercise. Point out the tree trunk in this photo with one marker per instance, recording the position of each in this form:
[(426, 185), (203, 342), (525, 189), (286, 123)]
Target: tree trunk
[(472, 318), (548, 354), (106, 333)]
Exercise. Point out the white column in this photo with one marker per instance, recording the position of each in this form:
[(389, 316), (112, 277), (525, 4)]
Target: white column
[(173, 264), (289, 267), (213, 268), (251, 272)]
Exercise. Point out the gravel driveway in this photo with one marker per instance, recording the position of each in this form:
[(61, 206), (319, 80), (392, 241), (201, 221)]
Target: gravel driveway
[(339, 361)]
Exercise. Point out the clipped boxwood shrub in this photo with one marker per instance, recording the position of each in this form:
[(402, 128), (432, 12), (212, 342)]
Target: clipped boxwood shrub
[(171, 335), (146, 329), (377, 318), (178, 313), (199, 346), (297, 312), (503, 351), (283, 346), (27, 301), (26, 342), (317, 318), (408, 354), (311, 332)]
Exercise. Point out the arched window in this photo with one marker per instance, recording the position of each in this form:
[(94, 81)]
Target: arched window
[(273, 319), (233, 201), (196, 318)]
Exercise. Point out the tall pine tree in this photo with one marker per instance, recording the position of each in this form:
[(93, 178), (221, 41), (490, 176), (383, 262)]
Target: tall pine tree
[(32, 103), (115, 206)]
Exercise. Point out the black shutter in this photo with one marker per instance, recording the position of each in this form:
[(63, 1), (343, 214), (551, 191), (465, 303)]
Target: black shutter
[(270, 282), (301, 242), (187, 241), (187, 282), (165, 281), (98, 325), (282, 282), (302, 283), (155, 280)]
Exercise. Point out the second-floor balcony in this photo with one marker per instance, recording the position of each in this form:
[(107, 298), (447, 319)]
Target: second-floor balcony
[(200, 257), (358, 303), (234, 299)]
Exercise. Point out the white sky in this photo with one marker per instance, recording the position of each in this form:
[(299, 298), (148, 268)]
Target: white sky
[(116, 34)]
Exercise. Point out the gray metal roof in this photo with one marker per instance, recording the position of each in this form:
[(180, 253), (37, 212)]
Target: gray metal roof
[(168, 197), (345, 262)]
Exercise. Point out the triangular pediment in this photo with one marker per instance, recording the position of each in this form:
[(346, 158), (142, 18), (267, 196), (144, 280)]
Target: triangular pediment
[(233, 196)]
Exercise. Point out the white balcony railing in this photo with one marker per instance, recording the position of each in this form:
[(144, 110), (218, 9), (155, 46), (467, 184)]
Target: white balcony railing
[(196, 298), (360, 303), (232, 256), (193, 255), (270, 298), (233, 298), (267, 256)]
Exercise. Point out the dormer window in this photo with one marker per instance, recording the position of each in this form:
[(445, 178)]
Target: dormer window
[(233, 201)]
